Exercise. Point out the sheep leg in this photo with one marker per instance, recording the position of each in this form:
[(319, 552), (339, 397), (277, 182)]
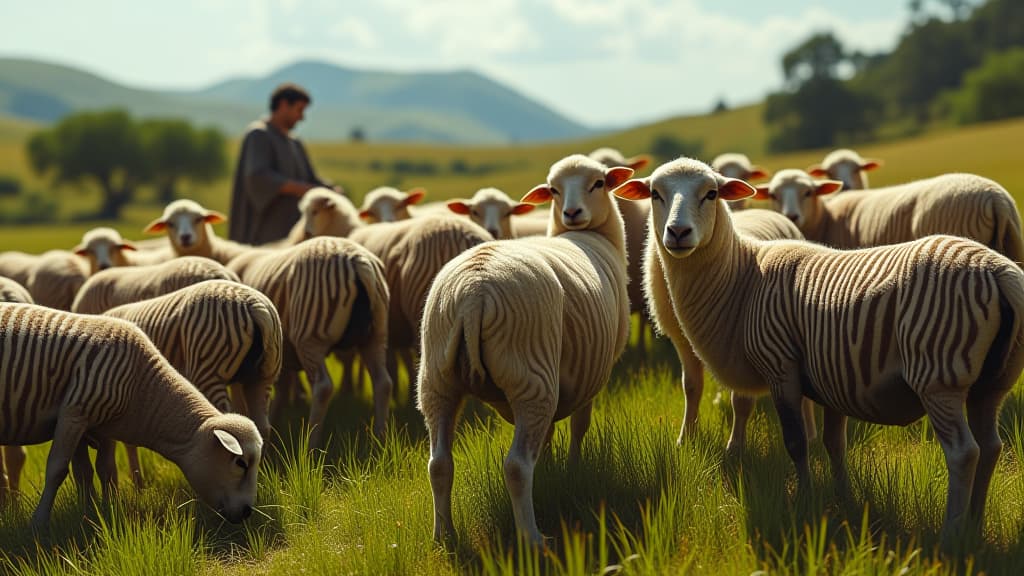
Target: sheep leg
[(106, 466), (235, 401), (255, 397), (787, 399), (532, 421), (742, 407), (70, 429), (440, 415), (693, 385), (809, 422), (946, 414), (323, 389), (834, 438), (133, 465), (982, 416), (284, 388), (82, 470), (409, 362), (375, 361), (14, 459), (579, 424)]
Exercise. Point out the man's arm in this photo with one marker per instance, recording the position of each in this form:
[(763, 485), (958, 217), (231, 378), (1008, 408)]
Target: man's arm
[(264, 183)]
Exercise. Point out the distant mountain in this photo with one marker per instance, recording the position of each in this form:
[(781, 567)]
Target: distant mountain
[(454, 107)]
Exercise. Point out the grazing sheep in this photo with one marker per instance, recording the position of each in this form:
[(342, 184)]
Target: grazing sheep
[(530, 326), (189, 228), (958, 204), (332, 296), (493, 210), (755, 223), (214, 333), (735, 165), (104, 248), (846, 165), (75, 376), (116, 286), (886, 334), (413, 251), (386, 204), (13, 457)]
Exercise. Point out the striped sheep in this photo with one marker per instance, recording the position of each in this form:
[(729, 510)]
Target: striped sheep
[(846, 165), (116, 286), (958, 204), (12, 459), (189, 228), (493, 210), (103, 248), (413, 252), (530, 326), (887, 334), (735, 165), (52, 278), (755, 223), (214, 333), (69, 376), (332, 296), (387, 204)]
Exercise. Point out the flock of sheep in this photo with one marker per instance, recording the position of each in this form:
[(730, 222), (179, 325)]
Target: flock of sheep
[(885, 305)]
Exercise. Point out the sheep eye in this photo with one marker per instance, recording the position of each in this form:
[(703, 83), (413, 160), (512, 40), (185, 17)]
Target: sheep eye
[(598, 184), (241, 463), (712, 194), (655, 195), (171, 225), (554, 191), (807, 194)]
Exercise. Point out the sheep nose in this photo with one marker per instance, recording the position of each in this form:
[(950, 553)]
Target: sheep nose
[(246, 512), (570, 214), (793, 217), (679, 232), (104, 266), (493, 232), (186, 239)]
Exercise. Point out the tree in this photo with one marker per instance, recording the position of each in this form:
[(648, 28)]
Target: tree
[(666, 147), (103, 146), (175, 150), (992, 91)]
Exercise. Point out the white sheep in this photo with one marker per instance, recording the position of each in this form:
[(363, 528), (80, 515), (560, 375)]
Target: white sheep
[(845, 165), (189, 228), (52, 278), (116, 286), (104, 248), (100, 377), (736, 165), (958, 204), (887, 334), (327, 213), (493, 210), (12, 458), (532, 327), (387, 204), (215, 333), (332, 296)]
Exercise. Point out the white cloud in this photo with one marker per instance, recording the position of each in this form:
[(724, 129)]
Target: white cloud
[(466, 30), (355, 31)]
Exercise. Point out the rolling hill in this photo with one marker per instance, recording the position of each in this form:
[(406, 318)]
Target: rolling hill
[(440, 107)]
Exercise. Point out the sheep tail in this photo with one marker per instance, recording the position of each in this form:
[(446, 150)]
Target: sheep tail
[(1009, 238)]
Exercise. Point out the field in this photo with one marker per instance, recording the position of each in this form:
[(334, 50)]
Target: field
[(636, 503)]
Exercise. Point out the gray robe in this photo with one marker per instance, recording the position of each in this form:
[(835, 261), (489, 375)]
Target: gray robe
[(260, 212)]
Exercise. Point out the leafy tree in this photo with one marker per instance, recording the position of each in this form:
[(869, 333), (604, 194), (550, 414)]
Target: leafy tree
[(101, 146), (666, 147), (175, 150), (992, 91)]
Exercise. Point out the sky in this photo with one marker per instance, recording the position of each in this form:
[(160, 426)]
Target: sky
[(602, 62)]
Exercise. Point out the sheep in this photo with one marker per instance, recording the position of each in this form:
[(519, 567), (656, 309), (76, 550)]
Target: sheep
[(532, 327), (413, 251), (52, 278), (755, 223), (327, 213), (103, 248), (885, 334), (12, 459), (116, 286), (958, 204), (214, 333), (189, 228), (493, 210), (846, 165), (533, 224), (634, 214), (76, 376), (331, 295), (735, 165), (386, 204)]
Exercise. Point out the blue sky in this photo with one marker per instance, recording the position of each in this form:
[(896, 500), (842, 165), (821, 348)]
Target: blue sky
[(608, 62)]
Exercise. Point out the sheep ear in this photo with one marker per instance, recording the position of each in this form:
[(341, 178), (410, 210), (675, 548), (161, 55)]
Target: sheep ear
[(80, 250), (414, 196), (762, 192), (540, 194), (365, 214), (522, 209), (757, 173), (822, 187), (870, 164), (229, 442), (635, 189), (638, 162), (126, 246), (817, 170), (459, 207), (155, 227), (214, 217), (735, 189), (613, 177)]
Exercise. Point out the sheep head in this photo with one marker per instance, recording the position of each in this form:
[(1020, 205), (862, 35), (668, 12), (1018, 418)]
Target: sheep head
[(187, 225), (222, 465), (492, 209), (578, 187)]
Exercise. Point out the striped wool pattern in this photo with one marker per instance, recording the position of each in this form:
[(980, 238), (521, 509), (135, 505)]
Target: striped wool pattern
[(116, 286), (11, 291)]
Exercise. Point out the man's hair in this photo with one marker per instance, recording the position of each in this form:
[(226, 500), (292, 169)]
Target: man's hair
[(290, 93)]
